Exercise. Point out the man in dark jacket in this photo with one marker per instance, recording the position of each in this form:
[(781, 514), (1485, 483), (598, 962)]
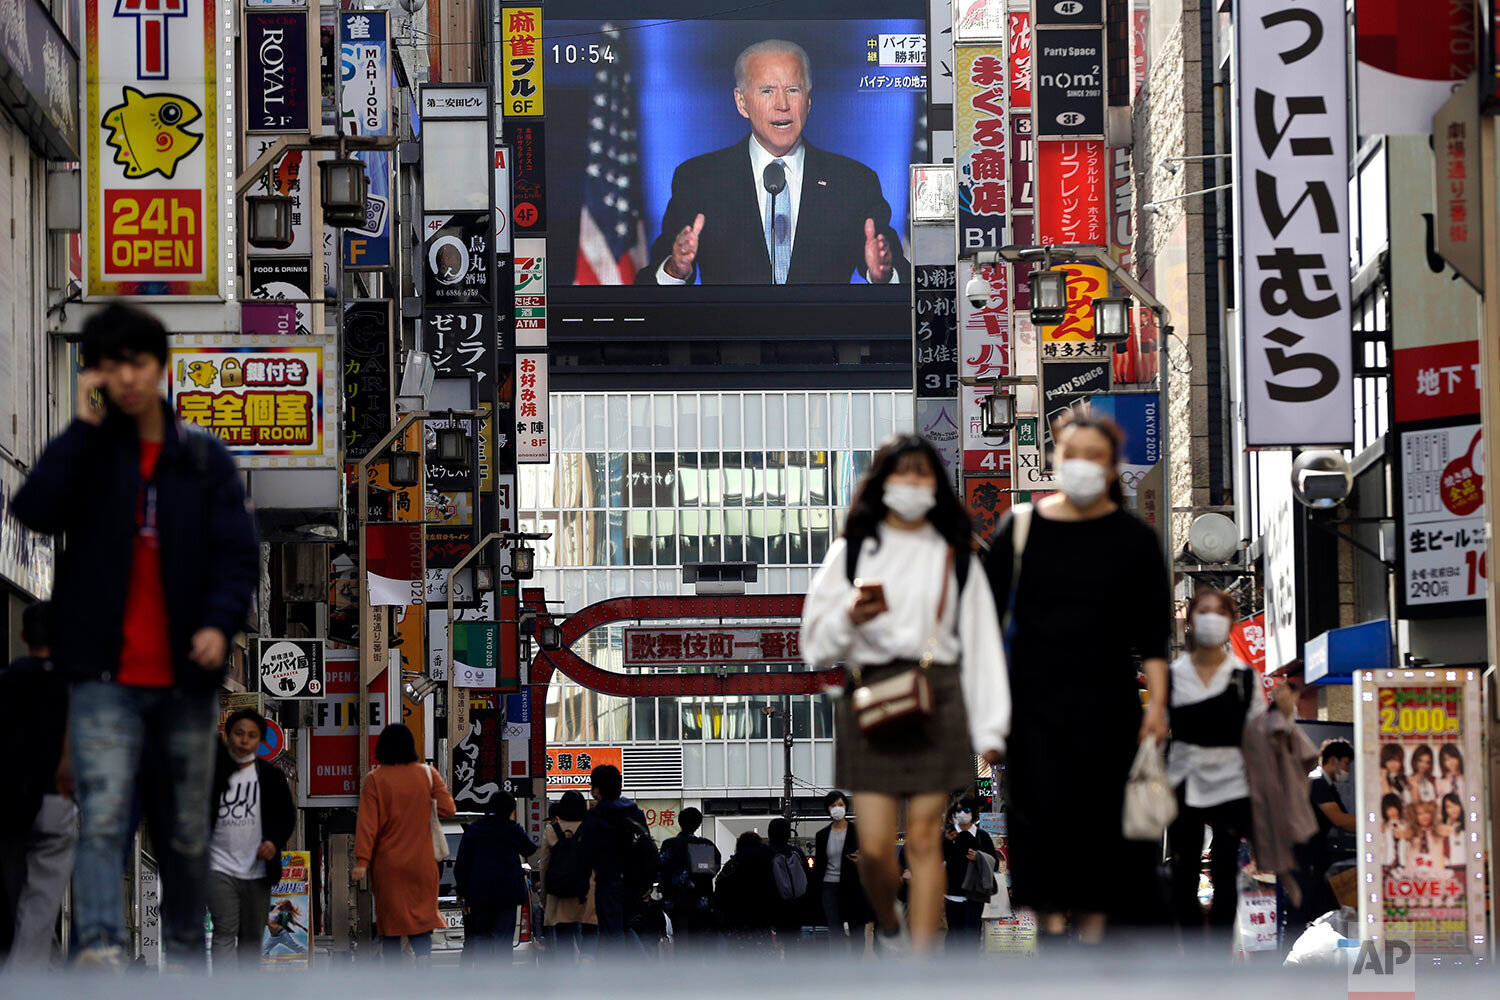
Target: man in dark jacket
[(490, 883), (688, 866), (252, 820), (158, 566), (610, 845), (40, 826)]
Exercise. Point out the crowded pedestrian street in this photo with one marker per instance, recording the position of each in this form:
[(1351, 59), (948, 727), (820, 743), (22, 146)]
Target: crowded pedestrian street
[(646, 497)]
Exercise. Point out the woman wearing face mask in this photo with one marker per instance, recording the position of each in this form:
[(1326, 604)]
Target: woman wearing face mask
[(834, 882), (1213, 695), (1090, 597), (896, 594), (963, 842)]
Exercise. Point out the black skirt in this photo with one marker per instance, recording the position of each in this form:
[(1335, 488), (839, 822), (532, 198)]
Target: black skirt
[(932, 756)]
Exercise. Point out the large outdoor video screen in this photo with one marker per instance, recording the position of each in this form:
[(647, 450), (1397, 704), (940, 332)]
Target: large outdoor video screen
[(667, 169)]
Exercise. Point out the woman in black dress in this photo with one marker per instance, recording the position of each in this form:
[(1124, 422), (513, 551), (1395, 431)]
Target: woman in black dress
[(1092, 598)]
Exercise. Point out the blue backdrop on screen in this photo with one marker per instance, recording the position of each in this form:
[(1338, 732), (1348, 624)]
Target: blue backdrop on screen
[(677, 81)]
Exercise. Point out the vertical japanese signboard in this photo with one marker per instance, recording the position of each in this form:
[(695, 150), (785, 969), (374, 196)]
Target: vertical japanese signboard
[(1291, 187), (277, 95), (533, 424), (531, 293), (328, 753), (1421, 802), (936, 330), (979, 127), (365, 109), (1440, 516), (521, 44), (158, 132)]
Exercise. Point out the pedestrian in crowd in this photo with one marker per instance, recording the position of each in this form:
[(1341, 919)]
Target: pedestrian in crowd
[(895, 599), (39, 831), (1314, 858), (834, 883), (567, 883), (689, 864), (491, 886), (963, 843), (157, 575), (252, 820), (393, 843), (1213, 693), (1078, 714), (616, 846), (790, 871), (745, 895)]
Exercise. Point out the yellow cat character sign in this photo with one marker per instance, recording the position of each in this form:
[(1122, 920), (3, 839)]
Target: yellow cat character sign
[(159, 145)]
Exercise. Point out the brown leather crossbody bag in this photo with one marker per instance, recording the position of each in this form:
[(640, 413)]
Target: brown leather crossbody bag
[(897, 704)]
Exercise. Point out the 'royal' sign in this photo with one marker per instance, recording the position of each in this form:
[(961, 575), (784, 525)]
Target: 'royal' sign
[(276, 96)]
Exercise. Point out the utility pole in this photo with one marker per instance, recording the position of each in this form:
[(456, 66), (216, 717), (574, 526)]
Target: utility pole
[(786, 746)]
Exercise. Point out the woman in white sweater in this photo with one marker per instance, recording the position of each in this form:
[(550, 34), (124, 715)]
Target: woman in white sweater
[(901, 591)]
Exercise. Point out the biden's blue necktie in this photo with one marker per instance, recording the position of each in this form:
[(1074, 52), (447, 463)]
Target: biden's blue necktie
[(779, 231)]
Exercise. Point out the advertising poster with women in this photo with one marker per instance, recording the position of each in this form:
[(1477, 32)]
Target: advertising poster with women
[(284, 942), (1421, 808)]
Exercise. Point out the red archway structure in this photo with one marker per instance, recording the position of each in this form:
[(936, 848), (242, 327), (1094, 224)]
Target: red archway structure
[(611, 682)]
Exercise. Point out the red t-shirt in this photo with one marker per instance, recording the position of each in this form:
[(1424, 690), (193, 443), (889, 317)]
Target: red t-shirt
[(146, 655)]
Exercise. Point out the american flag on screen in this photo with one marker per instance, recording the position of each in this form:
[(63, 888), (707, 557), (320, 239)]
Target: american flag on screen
[(611, 234)]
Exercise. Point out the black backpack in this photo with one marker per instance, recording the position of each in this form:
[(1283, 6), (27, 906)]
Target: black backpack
[(641, 856), (565, 875)]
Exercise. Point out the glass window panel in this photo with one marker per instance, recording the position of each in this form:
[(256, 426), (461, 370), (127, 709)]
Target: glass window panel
[(713, 420), (734, 479), (598, 587), (754, 423), (666, 537), (619, 478), (669, 582), (778, 767), (734, 536), (906, 417), (823, 763), (802, 760), (760, 774), (774, 537), (735, 711), (546, 476), (692, 719), (734, 423), (819, 537), (640, 422), (817, 477), (567, 488), (817, 420), (862, 461), (843, 478), (640, 479), (776, 478), (642, 581), (574, 596), (796, 420), (687, 421), (528, 476), (796, 478), (859, 411), (840, 421), (796, 539), (619, 583), (885, 416), (755, 464), (662, 407), (775, 405), (617, 554), (664, 479), (617, 432), (713, 543), (640, 537), (739, 765), (689, 482), (822, 716), (710, 479), (599, 534), (802, 717), (644, 710), (572, 421), (667, 719), (594, 489), (713, 765), (687, 536), (692, 766), (756, 718), (593, 423)]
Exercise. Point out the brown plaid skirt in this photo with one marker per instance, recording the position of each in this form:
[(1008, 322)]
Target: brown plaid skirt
[(932, 756)]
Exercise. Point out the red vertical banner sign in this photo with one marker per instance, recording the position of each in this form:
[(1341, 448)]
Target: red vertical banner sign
[(1071, 191)]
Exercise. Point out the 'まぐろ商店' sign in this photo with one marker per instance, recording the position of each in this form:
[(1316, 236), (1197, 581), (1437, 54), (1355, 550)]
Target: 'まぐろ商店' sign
[(155, 124)]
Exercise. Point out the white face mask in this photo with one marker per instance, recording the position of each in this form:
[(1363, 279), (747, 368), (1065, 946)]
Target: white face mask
[(1210, 629), (836, 813), (962, 819), (908, 501), (247, 758), (1082, 481)]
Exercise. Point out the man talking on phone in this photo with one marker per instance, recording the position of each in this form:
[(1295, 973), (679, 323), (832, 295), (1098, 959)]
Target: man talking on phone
[(158, 565)]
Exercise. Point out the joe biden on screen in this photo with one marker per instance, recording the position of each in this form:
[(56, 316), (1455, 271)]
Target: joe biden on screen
[(774, 208)]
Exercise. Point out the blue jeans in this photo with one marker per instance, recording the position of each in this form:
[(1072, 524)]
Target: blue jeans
[(488, 933), (118, 736)]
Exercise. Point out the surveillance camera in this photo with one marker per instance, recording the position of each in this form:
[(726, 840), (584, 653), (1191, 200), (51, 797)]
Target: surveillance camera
[(977, 291), (1321, 479)]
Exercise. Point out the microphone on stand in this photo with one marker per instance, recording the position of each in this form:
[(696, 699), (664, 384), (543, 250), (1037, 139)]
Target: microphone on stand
[(773, 178)]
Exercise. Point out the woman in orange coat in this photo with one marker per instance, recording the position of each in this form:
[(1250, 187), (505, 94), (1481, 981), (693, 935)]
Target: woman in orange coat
[(393, 842)]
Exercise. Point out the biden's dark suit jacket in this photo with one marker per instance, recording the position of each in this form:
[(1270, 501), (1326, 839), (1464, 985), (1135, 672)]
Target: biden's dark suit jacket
[(838, 195)]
